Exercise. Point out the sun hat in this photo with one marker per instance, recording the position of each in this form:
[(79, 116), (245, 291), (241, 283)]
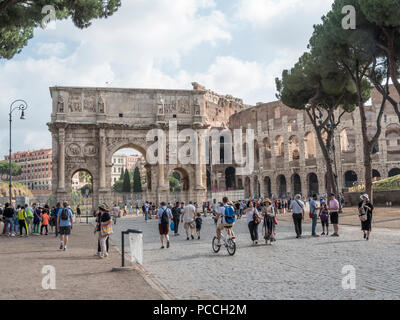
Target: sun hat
[(103, 206), (364, 196)]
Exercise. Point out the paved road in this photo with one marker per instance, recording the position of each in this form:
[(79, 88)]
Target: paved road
[(293, 268)]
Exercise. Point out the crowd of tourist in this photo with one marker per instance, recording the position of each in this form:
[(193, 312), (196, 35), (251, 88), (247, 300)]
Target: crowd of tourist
[(36, 219)]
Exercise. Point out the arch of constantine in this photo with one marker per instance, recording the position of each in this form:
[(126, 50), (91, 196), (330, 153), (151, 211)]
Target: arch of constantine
[(88, 125)]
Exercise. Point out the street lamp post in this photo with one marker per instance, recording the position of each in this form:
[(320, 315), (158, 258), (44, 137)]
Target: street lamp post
[(15, 105)]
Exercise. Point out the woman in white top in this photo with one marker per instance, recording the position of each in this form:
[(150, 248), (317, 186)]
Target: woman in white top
[(253, 220)]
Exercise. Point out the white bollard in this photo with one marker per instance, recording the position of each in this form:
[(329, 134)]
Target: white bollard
[(136, 246)]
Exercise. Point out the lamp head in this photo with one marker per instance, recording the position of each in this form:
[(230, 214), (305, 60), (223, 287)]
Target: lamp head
[(22, 115)]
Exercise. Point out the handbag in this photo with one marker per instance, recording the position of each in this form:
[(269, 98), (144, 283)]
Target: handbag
[(256, 218), (106, 230), (172, 226), (363, 217), (275, 221)]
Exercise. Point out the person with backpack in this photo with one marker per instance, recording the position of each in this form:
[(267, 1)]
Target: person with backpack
[(227, 214), (29, 218), (198, 221), (164, 215), (176, 214), (65, 224), (22, 221), (188, 216), (297, 207), (57, 212), (253, 221)]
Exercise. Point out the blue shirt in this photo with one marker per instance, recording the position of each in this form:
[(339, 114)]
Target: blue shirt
[(65, 223), (160, 212), (313, 205)]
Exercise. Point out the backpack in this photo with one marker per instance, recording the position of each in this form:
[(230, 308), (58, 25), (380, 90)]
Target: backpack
[(229, 214), (64, 214), (164, 218)]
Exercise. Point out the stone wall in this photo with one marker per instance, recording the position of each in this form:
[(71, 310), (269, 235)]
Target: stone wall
[(380, 198)]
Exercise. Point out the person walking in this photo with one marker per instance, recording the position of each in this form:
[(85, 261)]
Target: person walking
[(65, 224), (164, 215), (198, 221), (188, 216), (253, 220), (297, 208), (365, 208), (78, 213), (269, 215), (314, 209), (176, 215), (215, 207), (104, 228), (324, 217), (22, 221), (333, 205)]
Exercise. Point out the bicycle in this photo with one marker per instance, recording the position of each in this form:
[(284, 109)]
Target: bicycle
[(228, 242)]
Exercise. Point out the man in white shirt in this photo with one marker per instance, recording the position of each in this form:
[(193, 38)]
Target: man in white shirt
[(297, 207), (188, 216)]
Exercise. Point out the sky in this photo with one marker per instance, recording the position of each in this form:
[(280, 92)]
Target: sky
[(235, 47)]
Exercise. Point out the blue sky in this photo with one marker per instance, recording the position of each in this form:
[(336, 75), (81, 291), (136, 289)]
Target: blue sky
[(234, 47)]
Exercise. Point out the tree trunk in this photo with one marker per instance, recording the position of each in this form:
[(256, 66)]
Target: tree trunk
[(366, 151)]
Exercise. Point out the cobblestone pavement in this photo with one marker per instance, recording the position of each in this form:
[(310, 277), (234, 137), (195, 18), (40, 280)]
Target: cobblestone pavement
[(308, 268)]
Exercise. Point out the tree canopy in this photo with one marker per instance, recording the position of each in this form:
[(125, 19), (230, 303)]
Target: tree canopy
[(5, 169), (19, 18)]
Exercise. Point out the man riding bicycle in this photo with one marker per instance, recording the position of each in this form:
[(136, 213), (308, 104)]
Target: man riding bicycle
[(227, 221)]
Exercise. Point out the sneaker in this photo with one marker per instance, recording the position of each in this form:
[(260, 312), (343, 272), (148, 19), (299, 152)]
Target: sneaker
[(61, 246), (101, 256), (323, 233), (365, 236), (334, 235), (65, 248), (192, 237), (198, 238), (97, 254), (162, 247), (167, 244), (187, 238), (12, 234), (315, 235)]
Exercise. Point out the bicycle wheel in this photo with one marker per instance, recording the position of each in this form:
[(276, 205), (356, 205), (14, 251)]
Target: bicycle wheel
[(231, 247), (215, 245)]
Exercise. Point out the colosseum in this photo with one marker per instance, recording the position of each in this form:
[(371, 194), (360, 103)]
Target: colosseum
[(288, 159)]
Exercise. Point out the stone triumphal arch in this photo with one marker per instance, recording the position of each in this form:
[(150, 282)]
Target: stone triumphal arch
[(88, 125)]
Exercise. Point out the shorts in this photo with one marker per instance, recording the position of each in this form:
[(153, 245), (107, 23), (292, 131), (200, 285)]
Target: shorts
[(334, 217), (198, 227), (163, 229), (325, 223), (65, 230), (189, 225), (222, 226)]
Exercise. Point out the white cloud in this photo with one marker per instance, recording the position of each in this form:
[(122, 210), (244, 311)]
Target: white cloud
[(266, 12), (51, 48)]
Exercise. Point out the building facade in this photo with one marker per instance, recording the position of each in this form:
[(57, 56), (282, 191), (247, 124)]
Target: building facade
[(36, 168)]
